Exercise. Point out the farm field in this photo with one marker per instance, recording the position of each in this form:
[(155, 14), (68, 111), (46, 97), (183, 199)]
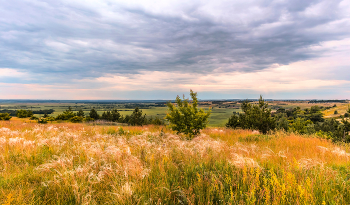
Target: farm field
[(70, 163), (221, 111)]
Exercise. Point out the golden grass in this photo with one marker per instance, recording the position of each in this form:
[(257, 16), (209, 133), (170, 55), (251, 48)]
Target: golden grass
[(82, 164), (341, 108)]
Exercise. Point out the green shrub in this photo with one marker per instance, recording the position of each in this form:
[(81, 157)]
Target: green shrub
[(76, 119), (136, 118), (34, 118), (185, 117), (24, 113), (255, 117), (5, 116), (42, 121)]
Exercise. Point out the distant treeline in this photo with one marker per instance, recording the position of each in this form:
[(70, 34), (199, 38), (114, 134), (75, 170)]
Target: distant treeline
[(328, 101), (14, 112)]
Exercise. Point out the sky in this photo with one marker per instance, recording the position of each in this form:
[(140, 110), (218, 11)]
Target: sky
[(139, 50)]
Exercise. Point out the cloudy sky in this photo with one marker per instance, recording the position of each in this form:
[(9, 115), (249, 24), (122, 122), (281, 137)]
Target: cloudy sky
[(129, 49)]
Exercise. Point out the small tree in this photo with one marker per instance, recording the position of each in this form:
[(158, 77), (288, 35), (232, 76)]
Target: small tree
[(136, 117), (5, 116), (81, 113), (185, 117), (257, 117), (93, 114), (115, 115)]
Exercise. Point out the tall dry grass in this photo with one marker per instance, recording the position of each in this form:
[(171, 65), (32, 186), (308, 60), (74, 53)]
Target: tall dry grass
[(84, 164)]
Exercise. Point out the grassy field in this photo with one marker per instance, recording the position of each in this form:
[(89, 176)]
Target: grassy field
[(82, 164), (220, 113), (341, 108), (218, 117)]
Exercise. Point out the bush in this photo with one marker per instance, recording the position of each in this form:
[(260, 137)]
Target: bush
[(89, 119), (186, 117), (336, 112), (33, 118), (5, 116), (255, 117), (42, 121), (136, 117), (24, 113), (76, 119)]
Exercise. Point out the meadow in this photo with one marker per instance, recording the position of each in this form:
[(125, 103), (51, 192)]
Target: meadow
[(221, 110), (67, 163)]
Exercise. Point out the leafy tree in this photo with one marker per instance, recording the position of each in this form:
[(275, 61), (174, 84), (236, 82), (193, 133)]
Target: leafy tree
[(88, 119), (42, 121), (126, 119), (302, 126), (93, 114), (185, 117), (45, 115), (29, 113), (34, 118), (256, 117), (336, 112), (282, 122), (81, 113), (233, 121), (50, 119), (136, 117), (5, 116), (24, 113), (66, 115), (115, 115), (154, 121), (76, 119)]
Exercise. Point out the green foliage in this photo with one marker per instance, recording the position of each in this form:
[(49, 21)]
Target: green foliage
[(282, 122), (154, 121), (34, 118), (336, 112), (24, 113), (89, 119), (66, 115), (42, 121), (115, 115), (186, 117), (255, 117), (93, 114), (81, 113), (136, 117), (5, 116), (76, 119), (233, 121), (50, 119), (302, 126)]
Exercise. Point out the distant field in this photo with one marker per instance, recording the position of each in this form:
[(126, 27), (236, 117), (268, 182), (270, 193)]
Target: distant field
[(221, 110), (341, 108)]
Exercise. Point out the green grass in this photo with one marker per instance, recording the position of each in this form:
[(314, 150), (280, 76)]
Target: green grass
[(218, 118)]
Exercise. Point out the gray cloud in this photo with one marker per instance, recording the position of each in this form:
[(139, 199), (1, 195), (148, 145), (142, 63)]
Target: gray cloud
[(62, 40)]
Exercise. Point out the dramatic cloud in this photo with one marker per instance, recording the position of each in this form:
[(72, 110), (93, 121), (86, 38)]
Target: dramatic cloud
[(107, 47)]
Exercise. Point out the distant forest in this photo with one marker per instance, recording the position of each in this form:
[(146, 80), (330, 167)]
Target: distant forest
[(13, 112)]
